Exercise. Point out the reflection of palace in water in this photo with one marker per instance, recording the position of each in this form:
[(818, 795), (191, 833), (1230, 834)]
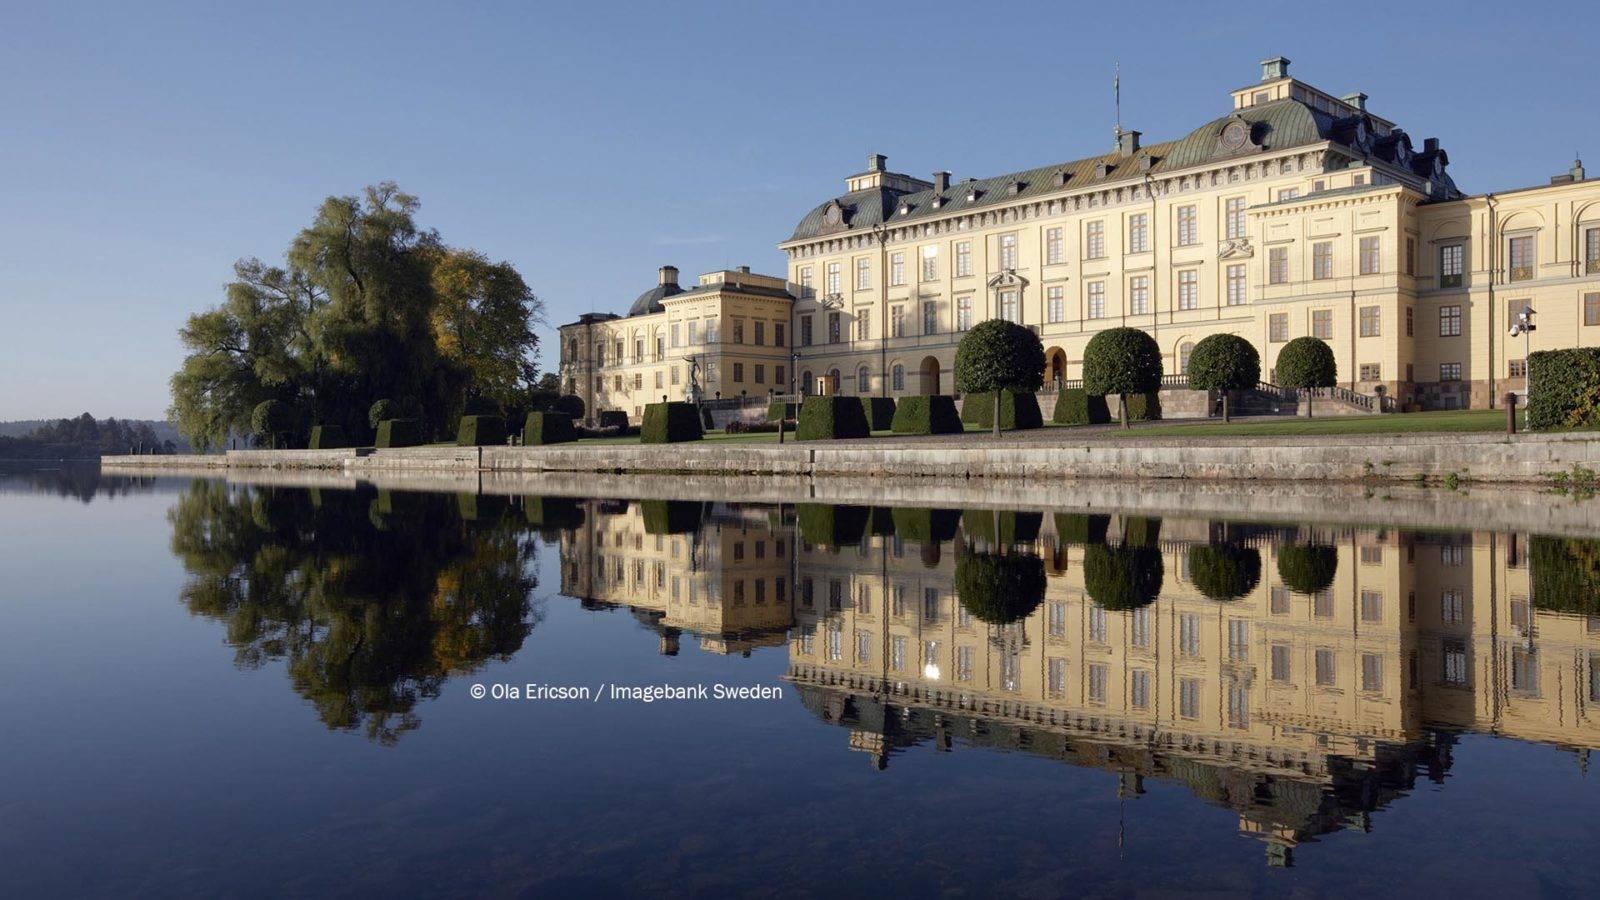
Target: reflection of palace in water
[(1304, 712)]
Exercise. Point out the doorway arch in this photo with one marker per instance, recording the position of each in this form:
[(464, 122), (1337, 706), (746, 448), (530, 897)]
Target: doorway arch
[(930, 375), (1055, 367)]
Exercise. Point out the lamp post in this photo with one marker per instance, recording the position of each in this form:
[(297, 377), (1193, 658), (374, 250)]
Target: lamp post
[(783, 414), (1523, 325)]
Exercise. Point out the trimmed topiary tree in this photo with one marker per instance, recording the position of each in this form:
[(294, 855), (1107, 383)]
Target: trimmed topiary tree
[(999, 588), (1125, 577), (382, 409), (481, 431), (1017, 410), (1565, 573), (1144, 407), (1122, 361), (831, 418), (328, 437), (571, 404), (879, 412), (1076, 406), (543, 428), (996, 356), (613, 418), (1307, 568), (935, 414), (670, 423), (272, 421), (1226, 363), (1569, 388), (1306, 363), (1224, 572), (398, 433)]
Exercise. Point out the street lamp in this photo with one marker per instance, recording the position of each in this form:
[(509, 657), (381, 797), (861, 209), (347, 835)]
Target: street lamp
[(1523, 325)]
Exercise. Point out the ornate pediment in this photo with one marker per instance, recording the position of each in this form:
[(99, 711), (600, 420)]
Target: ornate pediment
[(1007, 278), (832, 301), (1236, 248)]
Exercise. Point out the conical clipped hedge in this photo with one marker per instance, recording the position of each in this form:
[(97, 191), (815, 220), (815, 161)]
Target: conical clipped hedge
[(1076, 406), (482, 507), (1307, 568), (481, 431), (1001, 528), (398, 433), (831, 525), (670, 423), (671, 516), (926, 525), (1125, 577), (552, 514), (831, 418), (999, 588), (881, 522), (1019, 410), (1224, 572), (879, 412), (328, 437), (1566, 574), (926, 415), (543, 428), (1082, 528)]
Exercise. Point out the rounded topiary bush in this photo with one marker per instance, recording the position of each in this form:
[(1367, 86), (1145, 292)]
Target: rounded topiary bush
[(380, 410), (996, 356), (571, 404), (271, 421), (1305, 363), (1224, 362), (1307, 568), (1122, 361), (1125, 577), (1224, 572), (999, 588)]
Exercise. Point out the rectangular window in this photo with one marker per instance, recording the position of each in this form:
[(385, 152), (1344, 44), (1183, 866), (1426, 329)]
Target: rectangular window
[(1233, 210), (1055, 304), (1410, 321), (1053, 252), (1372, 672), (963, 663), (1369, 256), (863, 646), (1238, 704), (1322, 324), (1189, 698), (1188, 226), (694, 333), (863, 273), (1322, 260), (897, 321), (1278, 265), (761, 333), (1189, 634), (1139, 689), (1454, 663), (1189, 289), (1449, 321), (1520, 256), (1278, 327), (1097, 299), (738, 331), (833, 278), (1371, 606), (1371, 321), (1327, 668), (864, 323), (805, 276), (1138, 233), (963, 313), (1236, 284), (1591, 309), (1411, 256), (930, 317), (1094, 240), (1057, 619), (930, 263), (777, 334), (1139, 627), (1591, 251), (1056, 676), (897, 268), (1450, 371), (833, 328), (738, 372), (1097, 625), (777, 375), (964, 258), (1097, 682), (761, 374), (1008, 251), (1139, 295), (1288, 194), (1239, 640), (1517, 368), (1009, 308), (1452, 265), (805, 331), (1279, 603), (1281, 662), (1371, 372)]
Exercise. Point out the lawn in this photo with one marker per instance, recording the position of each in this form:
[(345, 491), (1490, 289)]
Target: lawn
[(1394, 423)]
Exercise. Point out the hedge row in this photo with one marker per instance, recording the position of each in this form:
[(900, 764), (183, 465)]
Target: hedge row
[(398, 433), (670, 516), (670, 423), (1017, 410), (831, 418), (1144, 407), (481, 431), (926, 415), (1076, 406), (1568, 394), (830, 525), (544, 428), (1002, 528), (328, 437), (879, 412), (778, 411), (610, 418)]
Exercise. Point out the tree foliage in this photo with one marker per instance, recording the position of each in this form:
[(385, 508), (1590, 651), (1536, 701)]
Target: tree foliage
[(1224, 572), (999, 355), (365, 306), (1121, 361), (999, 588), (1307, 568), (1224, 362), (1306, 362)]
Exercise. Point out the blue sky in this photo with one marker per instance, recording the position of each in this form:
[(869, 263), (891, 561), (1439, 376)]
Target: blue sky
[(145, 147)]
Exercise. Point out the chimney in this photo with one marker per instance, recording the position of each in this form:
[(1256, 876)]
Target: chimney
[(1430, 145), (744, 270), (1275, 68), (1127, 143), (1357, 99), (667, 275), (1576, 171), (876, 162), (941, 181)]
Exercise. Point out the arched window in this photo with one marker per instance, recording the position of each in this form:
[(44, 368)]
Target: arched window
[(833, 383), (1184, 350), (805, 383), (864, 380), (899, 378)]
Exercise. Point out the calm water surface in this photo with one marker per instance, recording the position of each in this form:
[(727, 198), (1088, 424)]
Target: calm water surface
[(253, 691)]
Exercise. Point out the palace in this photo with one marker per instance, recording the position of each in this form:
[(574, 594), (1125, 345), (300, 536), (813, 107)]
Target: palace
[(1297, 212)]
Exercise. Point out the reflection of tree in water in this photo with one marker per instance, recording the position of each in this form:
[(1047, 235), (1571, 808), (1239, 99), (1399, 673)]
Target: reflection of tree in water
[(79, 481), (374, 601)]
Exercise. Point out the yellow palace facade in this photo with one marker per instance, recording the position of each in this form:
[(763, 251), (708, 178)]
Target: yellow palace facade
[(1296, 212)]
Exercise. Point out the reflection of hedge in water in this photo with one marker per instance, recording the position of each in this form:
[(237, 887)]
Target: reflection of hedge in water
[(926, 525), (1141, 531), (369, 619), (1224, 571), (1565, 573), (882, 523), (999, 589), (830, 525), (1125, 577), (1082, 528), (488, 508), (1001, 528), (1307, 568), (552, 515), (670, 516)]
